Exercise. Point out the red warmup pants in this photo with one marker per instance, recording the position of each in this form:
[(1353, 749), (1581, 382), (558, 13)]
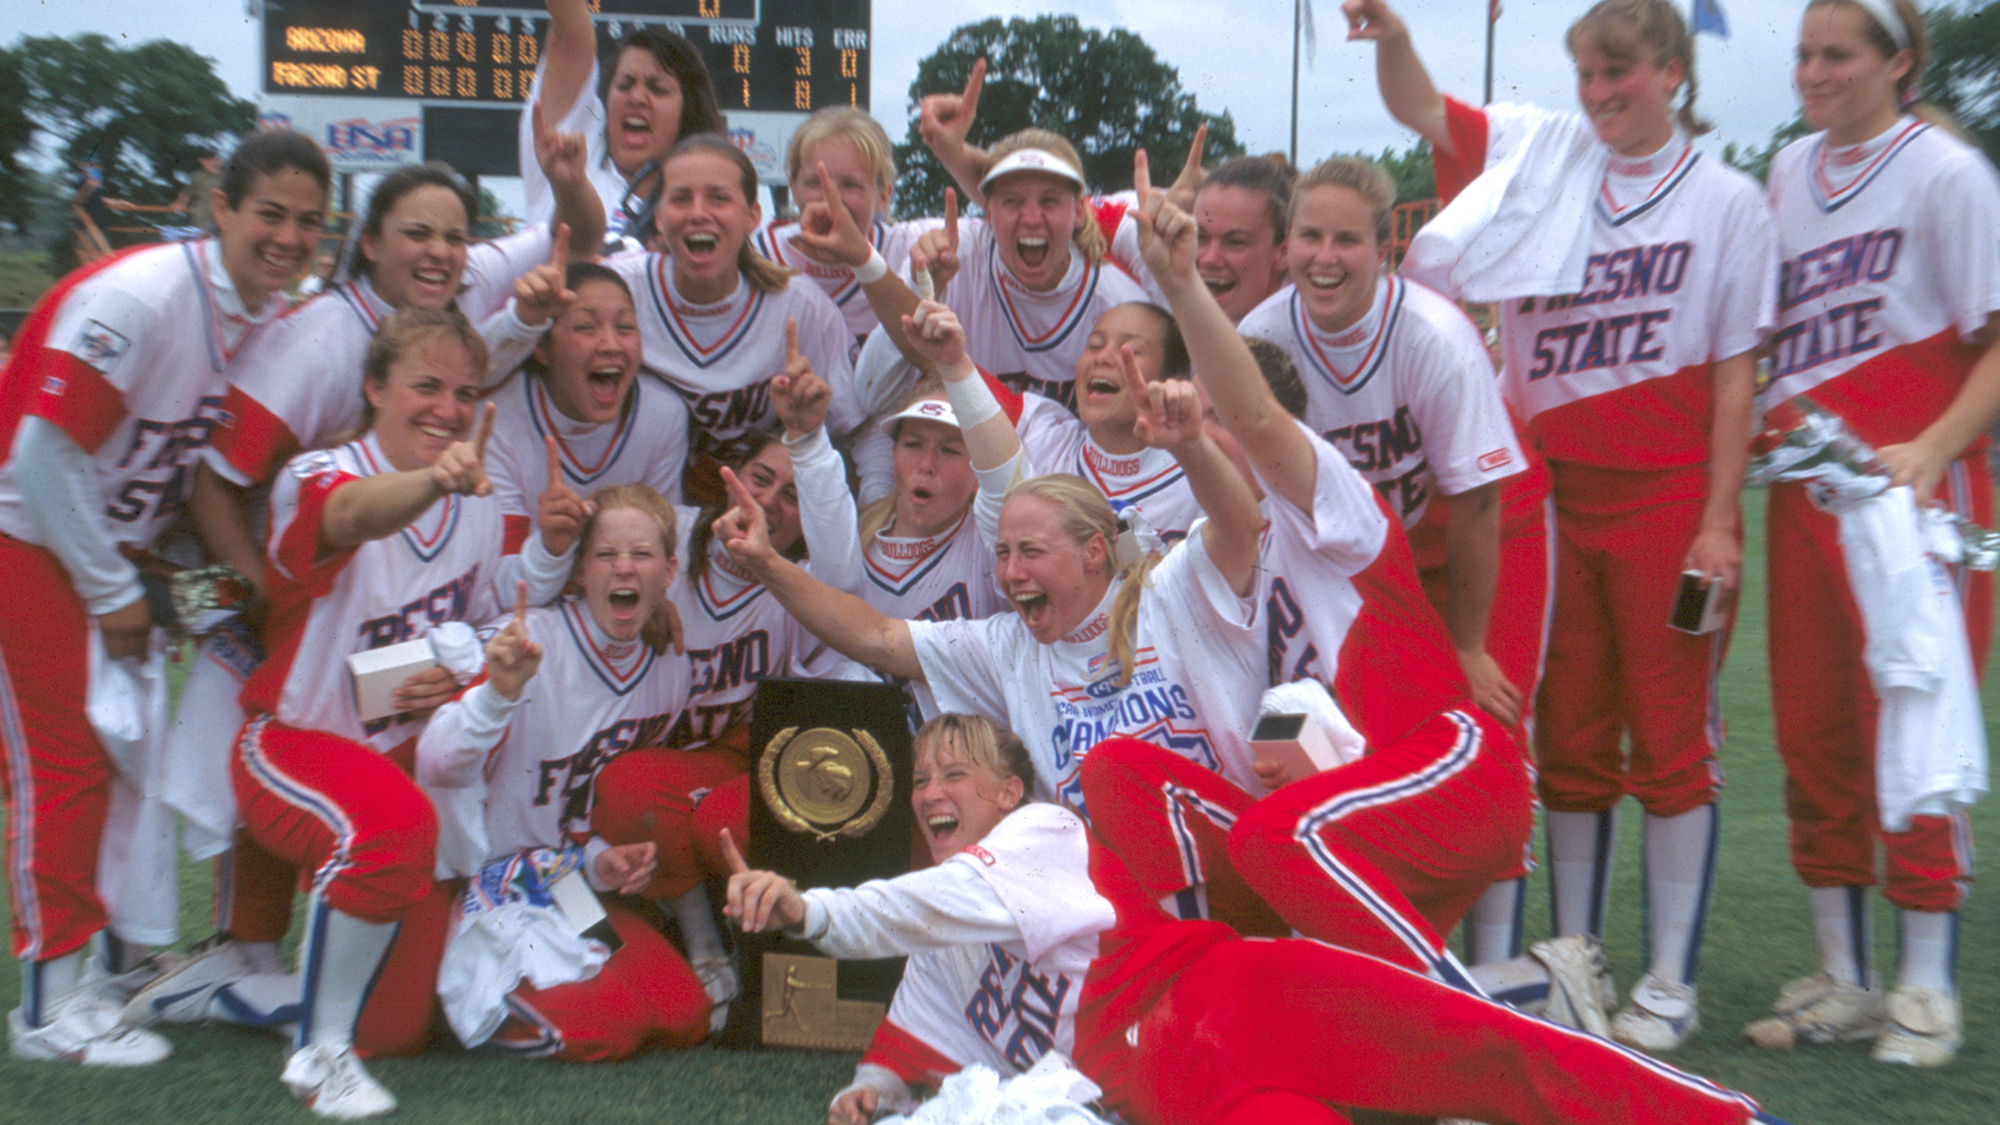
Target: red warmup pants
[(1615, 668), (57, 775), (679, 800), (1826, 707), (1261, 1032), (1408, 837), (645, 995)]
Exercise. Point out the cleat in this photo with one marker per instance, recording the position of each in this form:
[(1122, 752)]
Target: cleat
[(121, 987), (1923, 1029), (84, 1029), (1580, 988), (1820, 1009), (1660, 1016), (183, 994), (332, 1083)]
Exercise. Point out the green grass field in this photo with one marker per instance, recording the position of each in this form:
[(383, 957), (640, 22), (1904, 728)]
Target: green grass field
[(1759, 937)]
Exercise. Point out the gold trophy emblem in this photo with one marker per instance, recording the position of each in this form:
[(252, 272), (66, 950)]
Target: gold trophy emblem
[(826, 783)]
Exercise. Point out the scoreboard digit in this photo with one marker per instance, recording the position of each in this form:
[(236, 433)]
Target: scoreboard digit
[(785, 56)]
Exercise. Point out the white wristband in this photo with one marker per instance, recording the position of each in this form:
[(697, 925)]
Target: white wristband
[(873, 270), (971, 400)]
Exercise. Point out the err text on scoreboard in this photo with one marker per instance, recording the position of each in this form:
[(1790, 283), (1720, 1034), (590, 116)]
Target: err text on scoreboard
[(782, 56)]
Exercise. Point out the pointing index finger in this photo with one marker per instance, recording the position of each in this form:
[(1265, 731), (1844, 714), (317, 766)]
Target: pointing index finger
[(484, 432), (521, 604), (969, 101), (951, 217), (792, 356), (731, 854), (1142, 177), (559, 241), (555, 462)]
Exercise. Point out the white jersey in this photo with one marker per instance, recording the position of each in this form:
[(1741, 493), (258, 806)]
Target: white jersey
[(1680, 273), (299, 386), (1199, 668), (892, 240), (999, 937), (722, 357), (1406, 394), (1150, 480), (325, 606), (943, 577), (647, 444), (1889, 268), (1340, 574), (585, 119), (1031, 341), (592, 699), (132, 368)]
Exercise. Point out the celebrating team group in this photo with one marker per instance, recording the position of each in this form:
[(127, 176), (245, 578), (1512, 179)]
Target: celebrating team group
[(1101, 479)]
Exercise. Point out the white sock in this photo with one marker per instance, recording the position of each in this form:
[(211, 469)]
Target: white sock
[(1581, 845), (342, 956), (1840, 921), (1680, 871), (1929, 940), (45, 982), (120, 956), (1521, 982), (697, 922), (1493, 925)]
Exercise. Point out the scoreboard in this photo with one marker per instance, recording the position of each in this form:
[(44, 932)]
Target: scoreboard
[(778, 56)]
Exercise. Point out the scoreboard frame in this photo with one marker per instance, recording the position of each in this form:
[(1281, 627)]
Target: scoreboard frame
[(763, 56)]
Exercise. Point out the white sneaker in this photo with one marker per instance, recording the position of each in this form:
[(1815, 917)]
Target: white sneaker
[(83, 1028), (718, 979), (332, 1083), (123, 986), (1659, 1017), (1580, 988), (1820, 1009), (182, 995), (1924, 1028)]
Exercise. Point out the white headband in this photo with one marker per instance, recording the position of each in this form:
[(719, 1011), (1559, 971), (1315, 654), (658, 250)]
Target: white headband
[(1885, 14)]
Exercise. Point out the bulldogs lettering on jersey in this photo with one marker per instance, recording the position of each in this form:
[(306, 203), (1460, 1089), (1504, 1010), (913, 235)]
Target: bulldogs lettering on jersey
[(1406, 393)]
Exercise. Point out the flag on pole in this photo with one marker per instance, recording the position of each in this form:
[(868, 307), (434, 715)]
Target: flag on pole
[(1307, 31), (1708, 17)]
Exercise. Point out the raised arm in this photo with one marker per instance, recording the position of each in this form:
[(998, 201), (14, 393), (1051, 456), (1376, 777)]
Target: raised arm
[(567, 58), (827, 233), (379, 506), (1223, 365), (945, 120), (844, 622), (1406, 86), (1171, 417), (564, 160)]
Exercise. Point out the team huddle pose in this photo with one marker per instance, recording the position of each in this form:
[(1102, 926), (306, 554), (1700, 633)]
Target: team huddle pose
[(1100, 480)]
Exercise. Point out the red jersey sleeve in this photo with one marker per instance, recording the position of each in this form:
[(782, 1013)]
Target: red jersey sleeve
[(911, 1059), (1467, 124), (1009, 399), (253, 440), (298, 512)]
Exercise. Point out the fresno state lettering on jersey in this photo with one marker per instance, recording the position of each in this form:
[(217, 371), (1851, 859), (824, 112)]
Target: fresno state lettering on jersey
[(1842, 330), (1016, 1002), (577, 773), (1612, 341), (1282, 628), (956, 605), (1021, 382), (730, 664), (725, 413), (160, 445), (448, 602)]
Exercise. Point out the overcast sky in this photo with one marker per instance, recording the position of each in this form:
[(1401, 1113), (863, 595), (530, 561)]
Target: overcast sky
[(1232, 54)]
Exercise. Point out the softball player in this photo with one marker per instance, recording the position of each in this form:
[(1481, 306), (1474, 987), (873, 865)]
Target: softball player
[(711, 309), (569, 687), (113, 388), (1886, 298), (658, 93), (1633, 366)]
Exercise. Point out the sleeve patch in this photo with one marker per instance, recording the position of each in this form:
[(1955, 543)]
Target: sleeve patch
[(99, 345), (1494, 459)]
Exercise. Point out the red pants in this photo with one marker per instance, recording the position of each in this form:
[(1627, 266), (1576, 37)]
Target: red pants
[(1615, 668), (1410, 836), (645, 995), (679, 800), (56, 773), (1260, 1032), (1826, 706), (341, 811)]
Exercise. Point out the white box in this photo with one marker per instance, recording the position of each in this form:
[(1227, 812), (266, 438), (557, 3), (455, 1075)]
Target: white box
[(1294, 741), (380, 671)]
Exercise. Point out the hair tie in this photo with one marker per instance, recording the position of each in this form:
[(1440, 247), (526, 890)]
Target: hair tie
[(1885, 14)]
